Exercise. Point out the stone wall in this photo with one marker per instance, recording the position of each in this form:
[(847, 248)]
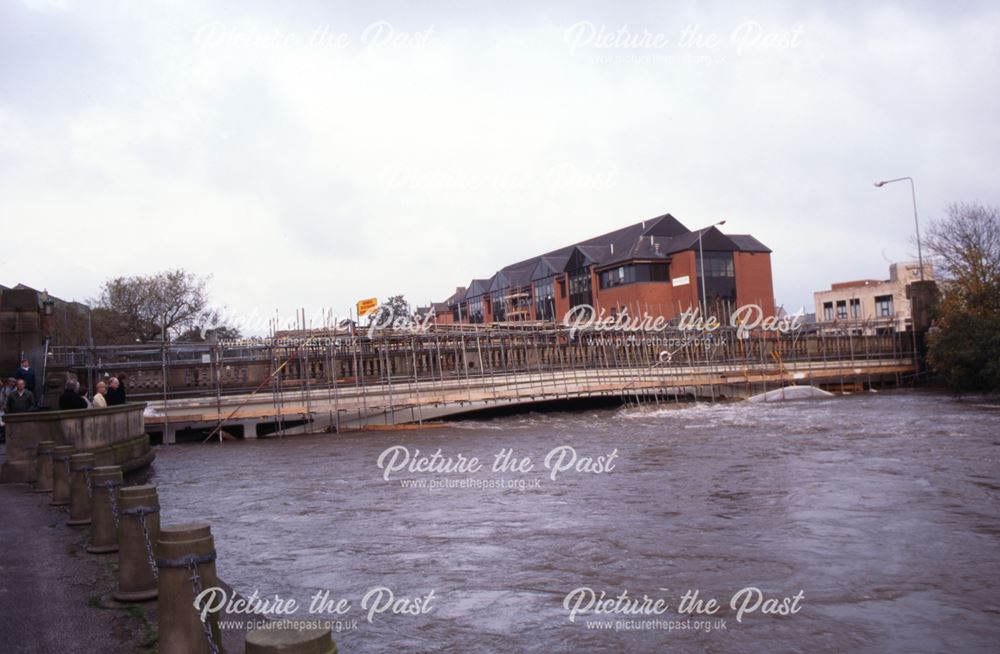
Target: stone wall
[(115, 435)]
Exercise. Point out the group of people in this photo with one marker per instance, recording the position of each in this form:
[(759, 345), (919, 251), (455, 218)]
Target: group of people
[(18, 394), (110, 393)]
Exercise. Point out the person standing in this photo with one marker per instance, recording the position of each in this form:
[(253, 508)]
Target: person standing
[(21, 400), (71, 398), (27, 373), (99, 402), (7, 389), (116, 392)]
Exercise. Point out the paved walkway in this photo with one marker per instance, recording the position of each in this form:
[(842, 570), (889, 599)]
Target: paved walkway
[(50, 587)]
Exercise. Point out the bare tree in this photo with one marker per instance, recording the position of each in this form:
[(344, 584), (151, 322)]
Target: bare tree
[(966, 245), (964, 346), (147, 308)]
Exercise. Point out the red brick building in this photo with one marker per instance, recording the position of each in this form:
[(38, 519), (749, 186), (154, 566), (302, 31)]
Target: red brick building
[(649, 267)]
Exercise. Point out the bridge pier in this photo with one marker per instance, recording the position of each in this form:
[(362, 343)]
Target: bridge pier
[(249, 428)]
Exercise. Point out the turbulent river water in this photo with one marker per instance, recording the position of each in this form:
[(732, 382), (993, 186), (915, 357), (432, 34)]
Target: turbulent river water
[(880, 508)]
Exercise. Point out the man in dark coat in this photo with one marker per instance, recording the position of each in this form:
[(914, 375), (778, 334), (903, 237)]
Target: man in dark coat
[(116, 392), (27, 373), (71, 398), (21, 400)]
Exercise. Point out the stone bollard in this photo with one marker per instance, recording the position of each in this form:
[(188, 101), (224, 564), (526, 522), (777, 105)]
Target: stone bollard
[(80, 466), (185, 557), (60, 474), (105, 481), (43, 467), (284, 638), (138, 531)]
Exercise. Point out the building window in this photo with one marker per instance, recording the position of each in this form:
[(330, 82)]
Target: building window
[(828, 311), (633, 273), (476, 309), (544, 302), (855, 308), (883, 306), (719, 281), (717, 264), (498, 305), (841, 309), (617, 276), (659, 272), (580, 287)]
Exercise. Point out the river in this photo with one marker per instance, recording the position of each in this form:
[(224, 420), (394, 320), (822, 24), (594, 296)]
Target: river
[(879, 510)]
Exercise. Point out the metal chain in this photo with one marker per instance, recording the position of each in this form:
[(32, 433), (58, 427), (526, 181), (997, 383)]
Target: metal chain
[(86, 480), (141, 512), (113, 499), (195, 578), (149, 547)]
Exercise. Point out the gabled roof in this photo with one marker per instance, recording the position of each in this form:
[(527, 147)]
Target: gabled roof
[(506, 278), (477, 287), (654, 239), (747, 243), (547, 266), (456, 297)]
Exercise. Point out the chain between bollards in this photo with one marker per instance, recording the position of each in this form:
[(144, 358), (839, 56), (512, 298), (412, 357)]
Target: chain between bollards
[(191, 562), (142, 512), (86, 480)]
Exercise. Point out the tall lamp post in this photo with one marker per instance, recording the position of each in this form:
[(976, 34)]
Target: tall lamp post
[(916, 223), (701, 259)]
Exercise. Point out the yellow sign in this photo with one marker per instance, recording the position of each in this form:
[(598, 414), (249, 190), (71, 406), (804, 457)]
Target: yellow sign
[(366, 306)]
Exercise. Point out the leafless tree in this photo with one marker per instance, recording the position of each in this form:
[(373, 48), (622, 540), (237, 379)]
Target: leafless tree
[(147, 308), (966, 245)]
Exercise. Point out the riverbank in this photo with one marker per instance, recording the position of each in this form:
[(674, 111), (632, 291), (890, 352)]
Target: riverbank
[(51, 589), (55, 597)]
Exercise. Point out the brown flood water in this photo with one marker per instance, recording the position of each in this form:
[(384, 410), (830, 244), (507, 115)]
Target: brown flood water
[(881, 508)]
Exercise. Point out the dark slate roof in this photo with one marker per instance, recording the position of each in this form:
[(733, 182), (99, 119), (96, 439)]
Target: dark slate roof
[(747, 243), (457, 296), (507, 278), (477, 287), (652, 239)]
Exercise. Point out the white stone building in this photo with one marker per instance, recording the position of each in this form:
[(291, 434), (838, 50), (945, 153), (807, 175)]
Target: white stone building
[(869, 306)]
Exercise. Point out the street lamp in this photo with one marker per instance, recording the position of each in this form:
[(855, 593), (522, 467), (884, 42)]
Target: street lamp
[(916, 223), (701, 259)]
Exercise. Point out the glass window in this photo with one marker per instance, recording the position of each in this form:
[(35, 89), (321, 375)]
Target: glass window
[(580, 287), (498, 304), (632, 273), (719, 281), (841, 309), (544, 301), (717, 264), (828, 311), (659, 272), (855, 308), (476, 309), (883, 306)]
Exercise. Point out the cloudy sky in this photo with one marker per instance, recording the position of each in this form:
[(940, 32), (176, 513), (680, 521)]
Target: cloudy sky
[(312, 154)]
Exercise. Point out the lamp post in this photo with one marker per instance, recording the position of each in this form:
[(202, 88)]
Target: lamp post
[(701, 260), (916, 223)]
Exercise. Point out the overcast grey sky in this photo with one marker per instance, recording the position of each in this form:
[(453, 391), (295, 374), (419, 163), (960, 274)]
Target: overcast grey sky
[(312, 154)]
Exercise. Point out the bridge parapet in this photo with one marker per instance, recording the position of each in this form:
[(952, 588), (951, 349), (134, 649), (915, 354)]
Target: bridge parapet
[(115, 435)]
